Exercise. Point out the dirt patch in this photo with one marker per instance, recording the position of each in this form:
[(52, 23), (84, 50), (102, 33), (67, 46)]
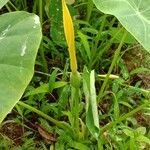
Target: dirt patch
[(13, 131)]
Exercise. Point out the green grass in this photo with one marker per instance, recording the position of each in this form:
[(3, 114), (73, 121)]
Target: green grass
[(53, 115)]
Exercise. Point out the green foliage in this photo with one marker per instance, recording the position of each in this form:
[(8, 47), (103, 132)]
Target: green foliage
[(105, 108)]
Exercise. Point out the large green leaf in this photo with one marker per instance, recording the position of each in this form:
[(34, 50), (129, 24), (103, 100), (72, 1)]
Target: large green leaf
[(134, 15), (3, 2), (20, 36)]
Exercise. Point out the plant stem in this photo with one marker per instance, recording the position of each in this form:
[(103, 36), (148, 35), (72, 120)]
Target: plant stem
[(120, 119), (75, 76), (75, 110), (117, 52), (57, 123), (75, 97), (13, 6), (99, 144), (8, 8), (41, 11), (42, 54)]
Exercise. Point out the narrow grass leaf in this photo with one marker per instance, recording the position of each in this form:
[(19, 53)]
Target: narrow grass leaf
[(44, 88), (85, 43), (52, 80)]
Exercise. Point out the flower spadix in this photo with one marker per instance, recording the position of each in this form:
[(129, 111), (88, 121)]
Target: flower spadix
[(69, 34)]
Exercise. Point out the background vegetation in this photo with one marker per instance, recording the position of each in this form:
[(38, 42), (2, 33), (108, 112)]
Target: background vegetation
[(123, 109)]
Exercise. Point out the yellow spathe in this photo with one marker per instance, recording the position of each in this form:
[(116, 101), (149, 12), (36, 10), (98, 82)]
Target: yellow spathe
[(69, 34)]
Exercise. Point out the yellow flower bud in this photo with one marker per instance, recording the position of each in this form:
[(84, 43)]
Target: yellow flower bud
[(69, 34)]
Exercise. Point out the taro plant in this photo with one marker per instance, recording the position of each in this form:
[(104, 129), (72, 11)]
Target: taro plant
[(75, 78), (88, 78), (88, 81), (20, 36)]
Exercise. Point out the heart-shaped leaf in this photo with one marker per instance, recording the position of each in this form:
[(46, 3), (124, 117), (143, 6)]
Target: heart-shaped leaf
[(3, 2), (134, 15), (20, 36)]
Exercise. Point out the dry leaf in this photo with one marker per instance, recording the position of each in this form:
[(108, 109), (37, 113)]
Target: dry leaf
[(45, 134)]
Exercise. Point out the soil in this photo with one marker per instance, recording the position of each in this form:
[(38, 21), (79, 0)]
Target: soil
[(13, 131)]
